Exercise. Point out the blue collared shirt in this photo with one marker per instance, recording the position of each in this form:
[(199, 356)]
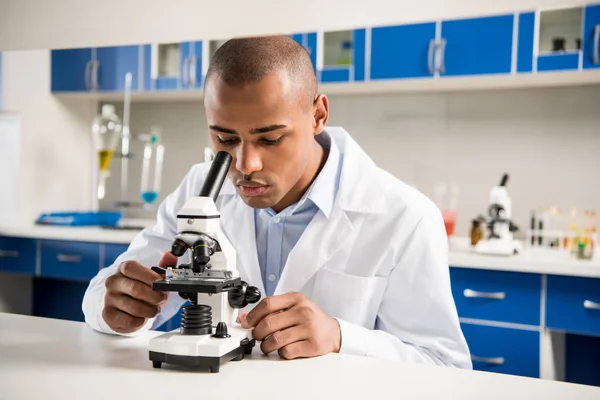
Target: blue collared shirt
[(277, 234)]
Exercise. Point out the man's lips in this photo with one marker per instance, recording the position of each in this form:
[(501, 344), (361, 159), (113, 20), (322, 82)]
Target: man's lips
[(251, 189)]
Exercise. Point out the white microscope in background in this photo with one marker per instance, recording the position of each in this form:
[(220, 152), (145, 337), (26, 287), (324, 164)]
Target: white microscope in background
[(498, 238), (209, 335)]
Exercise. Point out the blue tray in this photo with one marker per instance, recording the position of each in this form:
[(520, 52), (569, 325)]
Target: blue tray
[(97, 218)]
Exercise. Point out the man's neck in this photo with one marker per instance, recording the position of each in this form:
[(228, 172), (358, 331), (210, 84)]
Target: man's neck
[(315, 165)]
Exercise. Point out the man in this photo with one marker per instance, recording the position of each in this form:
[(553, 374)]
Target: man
[(348, 258)]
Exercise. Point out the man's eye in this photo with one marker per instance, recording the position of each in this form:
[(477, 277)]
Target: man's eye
[(272, 142), (228, 141)]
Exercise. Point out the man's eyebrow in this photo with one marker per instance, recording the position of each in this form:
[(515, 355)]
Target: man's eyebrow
[(222, 130), (266, 129)]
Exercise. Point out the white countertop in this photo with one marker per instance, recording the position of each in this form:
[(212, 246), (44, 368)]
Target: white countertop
[(542, 261), (55, 359)]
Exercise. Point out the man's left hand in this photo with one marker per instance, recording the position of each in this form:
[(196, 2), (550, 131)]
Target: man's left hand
[(293, 326)]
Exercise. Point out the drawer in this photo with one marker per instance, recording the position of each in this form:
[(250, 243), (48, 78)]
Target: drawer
[(503, 350), (497, 295), (112, 251), (573, 304), (69, 260), (18, 255)]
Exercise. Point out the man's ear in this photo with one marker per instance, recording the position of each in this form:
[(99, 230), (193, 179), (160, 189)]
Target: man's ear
[(320, 113)]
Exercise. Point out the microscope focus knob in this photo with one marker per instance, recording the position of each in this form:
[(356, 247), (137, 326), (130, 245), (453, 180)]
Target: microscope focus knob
[(243, 295), (252, 294)]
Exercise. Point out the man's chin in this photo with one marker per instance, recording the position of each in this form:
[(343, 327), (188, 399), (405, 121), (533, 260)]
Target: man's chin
[(257, 201)]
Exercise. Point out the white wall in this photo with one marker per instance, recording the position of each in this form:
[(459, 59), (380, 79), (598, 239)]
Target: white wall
[(548, 140), (43, 24), (56, 158)]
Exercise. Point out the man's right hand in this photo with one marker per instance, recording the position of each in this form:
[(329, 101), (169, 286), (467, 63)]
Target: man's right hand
[(130, 301)]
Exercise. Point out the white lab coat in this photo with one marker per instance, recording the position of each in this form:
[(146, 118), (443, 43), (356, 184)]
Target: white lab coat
[(378, 264)]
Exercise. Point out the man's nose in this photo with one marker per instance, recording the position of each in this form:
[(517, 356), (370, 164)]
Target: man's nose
[(248, 160)]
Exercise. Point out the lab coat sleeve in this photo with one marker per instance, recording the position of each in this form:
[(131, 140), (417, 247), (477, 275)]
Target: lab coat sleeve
[(417, 320), (146, 248)]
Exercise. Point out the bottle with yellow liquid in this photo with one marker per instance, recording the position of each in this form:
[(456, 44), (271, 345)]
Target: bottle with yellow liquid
[(106, 132)]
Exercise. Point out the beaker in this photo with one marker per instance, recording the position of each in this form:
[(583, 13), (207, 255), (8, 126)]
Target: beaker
[(152, 166), (106, 132), (446, 197)]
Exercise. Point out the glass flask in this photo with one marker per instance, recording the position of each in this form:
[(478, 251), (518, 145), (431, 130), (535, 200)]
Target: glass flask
[(152, 167), (106, 132)]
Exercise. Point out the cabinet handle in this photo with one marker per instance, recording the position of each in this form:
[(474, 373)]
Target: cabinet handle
[(430, 56), (591, 305), (88, 76), (484, 295), (68, 258), (186, 72), (95, 67), (9, 254), (442, 68), (596, 43), (193, 62), (488, 360)]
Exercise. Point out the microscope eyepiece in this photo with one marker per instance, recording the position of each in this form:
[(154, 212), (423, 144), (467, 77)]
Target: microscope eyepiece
[(216, 175)]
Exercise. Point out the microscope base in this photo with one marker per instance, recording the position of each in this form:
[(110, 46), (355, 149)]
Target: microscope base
[(200, 352)]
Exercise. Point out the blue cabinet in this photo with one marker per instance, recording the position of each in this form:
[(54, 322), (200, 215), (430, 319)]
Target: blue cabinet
[(497, 295), (591, 37), (404, 51), (18, 255), (343, 56), (573, 304), (113, 63), (503, 350), (173, 66), (71, 70), (111, 252), (69, 260), (525, 41), (476, 46)]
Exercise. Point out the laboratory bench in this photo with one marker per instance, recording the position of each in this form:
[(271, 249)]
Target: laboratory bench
[(68, 360), (536, 314)]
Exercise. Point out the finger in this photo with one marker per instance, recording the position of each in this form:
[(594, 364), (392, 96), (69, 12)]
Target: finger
[(300, 349), (167, 259), (135, 270), (282, 338), (120, 321), (241, 317), (136, 289), (131, 306), (275, 322), (270, 305)]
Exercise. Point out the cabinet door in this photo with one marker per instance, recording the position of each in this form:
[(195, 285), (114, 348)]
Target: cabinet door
[(167, 66), (69, 260), (477, 46), (591, 37), (196, 75), (111, 252), (343, 56), (71, 70), (18, 255), (113, 63), (525, 42), (503, 350), (403, 51)]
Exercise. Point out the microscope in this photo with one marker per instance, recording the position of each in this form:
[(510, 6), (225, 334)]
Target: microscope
[(209, 335), (500, 228)]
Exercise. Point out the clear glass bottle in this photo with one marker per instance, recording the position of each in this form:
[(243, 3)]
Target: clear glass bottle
[(152, 166), (106, 132)]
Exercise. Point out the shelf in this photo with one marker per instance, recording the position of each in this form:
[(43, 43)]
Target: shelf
[(428, 85), (560, 30)]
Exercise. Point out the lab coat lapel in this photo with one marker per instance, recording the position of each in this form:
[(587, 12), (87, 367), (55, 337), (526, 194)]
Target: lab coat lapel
[(238, 223), (321, 239)]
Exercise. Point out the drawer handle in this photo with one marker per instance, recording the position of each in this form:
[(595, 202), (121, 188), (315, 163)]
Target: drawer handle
[(9, 254), (590, 305), (484, 295), (66, 258), (488, 360)]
